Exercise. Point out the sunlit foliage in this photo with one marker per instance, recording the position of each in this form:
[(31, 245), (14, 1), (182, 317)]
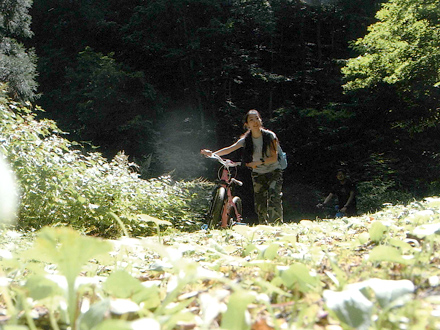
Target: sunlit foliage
[(17, 64), (403, 50), (403, 46), (61, 184), (377, 271)]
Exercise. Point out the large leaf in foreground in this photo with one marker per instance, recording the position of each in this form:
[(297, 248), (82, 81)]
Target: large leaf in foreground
[(388, 291), (235, 316), (69, 251), (388, 253), (351, 307), (298, 275), (377, 231)]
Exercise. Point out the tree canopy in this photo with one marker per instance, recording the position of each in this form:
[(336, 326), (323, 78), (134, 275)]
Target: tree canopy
[(401, 50), (18, 66), (161, 79)]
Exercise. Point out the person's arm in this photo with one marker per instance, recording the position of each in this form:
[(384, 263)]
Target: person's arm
[(222, 152), (326, 200), (269, 160), (350, 199)]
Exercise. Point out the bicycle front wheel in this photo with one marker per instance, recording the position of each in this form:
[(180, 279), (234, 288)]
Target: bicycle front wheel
[(233, 216), (216, 209)]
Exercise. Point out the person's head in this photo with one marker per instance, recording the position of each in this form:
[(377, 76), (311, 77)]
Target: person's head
[(341, 174), (252, 119)]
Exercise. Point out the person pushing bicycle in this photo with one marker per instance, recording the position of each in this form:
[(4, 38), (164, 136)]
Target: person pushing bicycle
[(260, 154)]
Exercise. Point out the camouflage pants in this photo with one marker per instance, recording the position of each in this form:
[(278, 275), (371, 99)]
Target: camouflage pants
[(267, 196)]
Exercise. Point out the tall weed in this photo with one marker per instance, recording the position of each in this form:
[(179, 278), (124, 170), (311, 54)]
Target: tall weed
[(62, 185)]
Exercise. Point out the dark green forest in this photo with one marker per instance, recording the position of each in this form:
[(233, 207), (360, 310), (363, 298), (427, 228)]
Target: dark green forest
[(343, 83)]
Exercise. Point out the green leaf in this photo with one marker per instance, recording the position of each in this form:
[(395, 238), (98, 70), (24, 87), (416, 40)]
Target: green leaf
[(387, 291), (377, 231), (399, 244), (41, 287), (299, 275), (249, 248), (363, 238), (271, 288), (177, 308), (351, 307), (387, 253), (94, 315), (270, 252), (148, 218), (68, 249), (121, 284), (235, 316), (150, 297)]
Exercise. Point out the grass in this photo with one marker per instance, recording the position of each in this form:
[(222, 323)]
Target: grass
[(375, 271)]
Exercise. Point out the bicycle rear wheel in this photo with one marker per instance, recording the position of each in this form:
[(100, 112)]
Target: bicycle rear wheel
[(232, 215), (216, 209)]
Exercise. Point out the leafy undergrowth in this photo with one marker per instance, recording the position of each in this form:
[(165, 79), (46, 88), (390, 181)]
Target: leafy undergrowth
[(61, 184), (378, 271)]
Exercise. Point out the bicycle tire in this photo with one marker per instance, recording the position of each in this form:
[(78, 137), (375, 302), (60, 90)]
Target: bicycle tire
[(216, 209), (232, 215)]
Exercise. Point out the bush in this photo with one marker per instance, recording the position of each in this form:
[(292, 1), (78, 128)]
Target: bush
[(62, 185), (374, 194)]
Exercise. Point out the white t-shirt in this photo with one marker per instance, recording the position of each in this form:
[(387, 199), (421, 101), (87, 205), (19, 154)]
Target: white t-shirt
[(258, 154)]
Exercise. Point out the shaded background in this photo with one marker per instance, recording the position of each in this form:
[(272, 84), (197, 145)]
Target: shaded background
[(161, 79)]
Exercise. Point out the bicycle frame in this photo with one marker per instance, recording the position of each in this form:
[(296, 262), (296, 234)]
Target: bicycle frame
[(226, 181)]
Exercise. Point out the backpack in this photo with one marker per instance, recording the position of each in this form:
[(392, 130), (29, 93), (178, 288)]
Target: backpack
[(282, 158)]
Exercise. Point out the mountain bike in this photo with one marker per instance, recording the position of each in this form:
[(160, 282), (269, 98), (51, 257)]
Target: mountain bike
[(225, 209)]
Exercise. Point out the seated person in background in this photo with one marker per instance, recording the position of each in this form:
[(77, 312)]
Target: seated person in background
[(346, 192)]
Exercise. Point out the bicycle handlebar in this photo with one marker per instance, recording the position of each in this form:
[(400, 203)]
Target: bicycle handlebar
[(225, 162)]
